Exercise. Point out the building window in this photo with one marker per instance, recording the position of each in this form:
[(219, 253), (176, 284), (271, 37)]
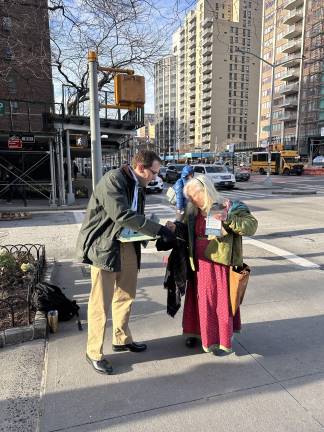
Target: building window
[(12, 87), (6, 24), (7, 53)]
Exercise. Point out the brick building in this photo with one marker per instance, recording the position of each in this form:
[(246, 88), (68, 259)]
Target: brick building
[(25, 71)]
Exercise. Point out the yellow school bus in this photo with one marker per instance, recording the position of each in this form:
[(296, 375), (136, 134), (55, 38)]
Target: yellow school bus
[(283, 162)]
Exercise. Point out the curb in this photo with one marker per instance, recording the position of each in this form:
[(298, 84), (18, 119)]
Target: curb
[(257, 188), (42, 209), (282, 192), (37, 330)]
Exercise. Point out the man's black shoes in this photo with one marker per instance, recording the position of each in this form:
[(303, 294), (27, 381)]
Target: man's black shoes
[(133, 347), (101, 366)]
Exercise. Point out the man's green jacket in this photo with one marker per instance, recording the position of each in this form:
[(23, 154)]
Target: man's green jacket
[(108, 212)]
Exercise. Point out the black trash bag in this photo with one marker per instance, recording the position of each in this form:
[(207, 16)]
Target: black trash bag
[(47, 297)]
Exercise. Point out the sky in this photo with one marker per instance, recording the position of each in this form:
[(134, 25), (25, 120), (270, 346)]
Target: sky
[(165, 17)]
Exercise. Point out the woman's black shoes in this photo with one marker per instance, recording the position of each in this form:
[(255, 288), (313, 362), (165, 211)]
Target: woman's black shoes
[(191, 342)]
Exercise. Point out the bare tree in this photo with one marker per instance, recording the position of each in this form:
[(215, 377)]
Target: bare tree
[(124, 33)]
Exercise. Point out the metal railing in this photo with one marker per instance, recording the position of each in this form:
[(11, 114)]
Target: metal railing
[(16, 287)]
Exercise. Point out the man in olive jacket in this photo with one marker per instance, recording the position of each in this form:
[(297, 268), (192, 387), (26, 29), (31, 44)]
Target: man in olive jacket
[(116, 207)]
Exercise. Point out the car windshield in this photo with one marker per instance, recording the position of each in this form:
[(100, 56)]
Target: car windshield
[(179, 167), (216, 169), (162, 169)]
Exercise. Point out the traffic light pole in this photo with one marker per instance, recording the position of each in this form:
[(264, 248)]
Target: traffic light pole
[(96, 154)]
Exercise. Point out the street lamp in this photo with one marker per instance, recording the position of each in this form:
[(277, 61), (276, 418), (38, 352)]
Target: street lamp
[(268, 180)]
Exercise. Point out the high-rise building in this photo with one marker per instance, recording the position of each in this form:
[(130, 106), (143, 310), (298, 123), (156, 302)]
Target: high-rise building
[(146, 134), (217, 94), (165, 105), (292, 36)]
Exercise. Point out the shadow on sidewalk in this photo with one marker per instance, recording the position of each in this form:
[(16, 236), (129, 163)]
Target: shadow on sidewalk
[(289, 350)]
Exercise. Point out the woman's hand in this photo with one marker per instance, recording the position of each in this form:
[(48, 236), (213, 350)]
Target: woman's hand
[(172, 226)]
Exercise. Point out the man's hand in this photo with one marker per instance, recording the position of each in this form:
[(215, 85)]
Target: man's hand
[(171, 226), (166, 235)]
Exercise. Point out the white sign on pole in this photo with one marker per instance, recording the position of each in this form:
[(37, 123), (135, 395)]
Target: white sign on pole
[(230, 148), (322, 131)]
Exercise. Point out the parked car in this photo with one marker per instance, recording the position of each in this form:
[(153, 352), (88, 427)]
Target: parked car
[(162, 173), (318, 161), (241, 174), (173, 172), (219, 175), (155, 185)]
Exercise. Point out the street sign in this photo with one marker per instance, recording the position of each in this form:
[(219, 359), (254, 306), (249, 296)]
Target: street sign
[(28, 139), (14, 142), (2, 108)]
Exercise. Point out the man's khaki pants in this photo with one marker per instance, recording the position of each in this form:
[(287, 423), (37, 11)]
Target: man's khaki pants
[(117, 290)]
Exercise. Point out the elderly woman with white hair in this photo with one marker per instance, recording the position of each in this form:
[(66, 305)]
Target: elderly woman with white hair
[(207, 313)]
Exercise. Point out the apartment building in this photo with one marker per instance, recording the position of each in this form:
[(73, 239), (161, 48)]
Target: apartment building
[(165, 105), (25, 69), (292, 37), (146, 134), (217, 90)]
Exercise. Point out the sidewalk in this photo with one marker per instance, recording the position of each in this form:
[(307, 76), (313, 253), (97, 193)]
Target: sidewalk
[(39, 205), (273, 381)]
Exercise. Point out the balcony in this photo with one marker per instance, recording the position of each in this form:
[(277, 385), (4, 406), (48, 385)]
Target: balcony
[(192, 61), (192, 36), (290, 89), (291, 60), (206, 139), (293, 4), (290, 103), (207, 69), (293, 31), (206, 105), (293, 17), (291, 75), (206, 96), (289, 116), (206, 122), (206, 130), (192, 52), (207, 42), (207, 22), (292, 47), (207, 60), (206, 88), (206, 114), (207, 78), (207, 32), (192, 78)]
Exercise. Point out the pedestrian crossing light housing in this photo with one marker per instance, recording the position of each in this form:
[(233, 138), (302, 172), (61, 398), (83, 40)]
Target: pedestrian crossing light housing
[(129, 91)]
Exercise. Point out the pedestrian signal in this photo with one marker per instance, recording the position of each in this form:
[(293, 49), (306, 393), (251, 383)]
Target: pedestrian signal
[(129, 90)]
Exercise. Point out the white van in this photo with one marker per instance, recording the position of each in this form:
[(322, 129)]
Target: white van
[(218, 174)]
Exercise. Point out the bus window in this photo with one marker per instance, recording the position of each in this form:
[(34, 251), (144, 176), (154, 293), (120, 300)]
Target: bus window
[(262, 157)]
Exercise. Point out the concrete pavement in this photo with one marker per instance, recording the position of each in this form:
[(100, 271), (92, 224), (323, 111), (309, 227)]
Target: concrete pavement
[(273, 381)]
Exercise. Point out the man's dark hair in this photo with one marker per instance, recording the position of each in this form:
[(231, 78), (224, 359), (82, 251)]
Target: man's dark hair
[(145, 157)]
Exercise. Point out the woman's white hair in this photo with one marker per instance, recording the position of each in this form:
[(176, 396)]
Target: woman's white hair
[(204, 184)]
